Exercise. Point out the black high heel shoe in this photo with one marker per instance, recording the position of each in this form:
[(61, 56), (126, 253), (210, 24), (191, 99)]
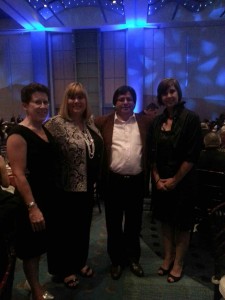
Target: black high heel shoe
[(163, 272), (172, 279)]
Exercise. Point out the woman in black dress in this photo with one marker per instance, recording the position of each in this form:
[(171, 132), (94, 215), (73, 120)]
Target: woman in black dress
[(175, 140), (31, 153)]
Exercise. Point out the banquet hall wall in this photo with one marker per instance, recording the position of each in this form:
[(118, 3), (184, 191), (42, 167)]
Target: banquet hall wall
[(104, 60)]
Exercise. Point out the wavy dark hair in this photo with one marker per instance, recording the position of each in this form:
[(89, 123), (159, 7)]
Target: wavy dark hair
[(164, 85)]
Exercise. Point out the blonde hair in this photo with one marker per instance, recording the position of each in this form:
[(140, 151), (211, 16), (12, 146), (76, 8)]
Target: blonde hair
[(72, 90)]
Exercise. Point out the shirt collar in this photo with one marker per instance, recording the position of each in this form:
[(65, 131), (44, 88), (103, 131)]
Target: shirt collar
[(131, 119)]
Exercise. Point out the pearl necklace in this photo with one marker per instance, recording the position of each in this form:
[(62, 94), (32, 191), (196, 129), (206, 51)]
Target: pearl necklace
[(89, 142)]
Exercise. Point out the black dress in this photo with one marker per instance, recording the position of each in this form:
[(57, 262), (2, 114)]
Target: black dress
[(169, 149), (41, 163)]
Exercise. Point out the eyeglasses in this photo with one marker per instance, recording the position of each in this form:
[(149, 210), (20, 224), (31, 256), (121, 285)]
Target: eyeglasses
[(78, 98), (39, 102), (123, 98)]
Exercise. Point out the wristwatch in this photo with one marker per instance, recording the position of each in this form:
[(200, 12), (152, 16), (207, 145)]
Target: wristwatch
[(31, 204)]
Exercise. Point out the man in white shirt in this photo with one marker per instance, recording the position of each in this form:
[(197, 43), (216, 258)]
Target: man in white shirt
[(126, 179)]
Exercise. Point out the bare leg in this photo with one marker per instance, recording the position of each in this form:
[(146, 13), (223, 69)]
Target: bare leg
[(31, 270), (182, 244), (168, 245)]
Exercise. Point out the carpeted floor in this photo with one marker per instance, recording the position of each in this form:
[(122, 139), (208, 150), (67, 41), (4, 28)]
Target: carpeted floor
[(195, 284), (199, 263)]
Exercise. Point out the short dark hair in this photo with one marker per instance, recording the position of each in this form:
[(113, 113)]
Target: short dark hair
[(28, 90), (164, 85), (122, 90)]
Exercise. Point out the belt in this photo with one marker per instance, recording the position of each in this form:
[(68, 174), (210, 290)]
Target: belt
[(125, 177)]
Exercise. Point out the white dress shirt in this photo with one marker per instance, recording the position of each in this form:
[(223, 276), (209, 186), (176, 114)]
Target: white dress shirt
[(126, 147)]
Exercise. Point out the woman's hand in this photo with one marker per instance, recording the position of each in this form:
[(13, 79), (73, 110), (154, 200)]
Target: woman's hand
[(161, 185), (170, 184), (166, 185), (36, 218)]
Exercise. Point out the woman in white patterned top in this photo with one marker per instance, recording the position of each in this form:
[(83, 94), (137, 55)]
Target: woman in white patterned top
[(80, 153)]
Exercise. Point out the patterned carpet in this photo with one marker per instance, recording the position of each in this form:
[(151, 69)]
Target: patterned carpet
[(193, 285)]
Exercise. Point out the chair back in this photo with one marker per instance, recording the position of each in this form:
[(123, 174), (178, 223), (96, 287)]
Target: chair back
[(211, 204), (217, 225), (211, 188)]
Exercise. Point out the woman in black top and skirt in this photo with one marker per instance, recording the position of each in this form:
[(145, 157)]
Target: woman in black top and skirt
[(175, 143)]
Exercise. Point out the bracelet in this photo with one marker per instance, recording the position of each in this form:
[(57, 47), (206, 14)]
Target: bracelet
[(31, 204), (157, 181)]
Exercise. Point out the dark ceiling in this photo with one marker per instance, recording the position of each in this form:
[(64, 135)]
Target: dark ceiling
[(64, 15)]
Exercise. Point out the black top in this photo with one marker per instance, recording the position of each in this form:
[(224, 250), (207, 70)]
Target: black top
[(41, 161), (185, 136), (169, 149)]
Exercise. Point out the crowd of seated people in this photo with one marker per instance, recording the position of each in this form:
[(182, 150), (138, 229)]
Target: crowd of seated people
[(211, 176), (222, 136), (211, 172), (212, 157), (5, 127), (214, 125)]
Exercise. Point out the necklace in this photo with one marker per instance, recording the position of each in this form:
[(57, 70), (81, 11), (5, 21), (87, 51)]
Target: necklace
[(89, 142)]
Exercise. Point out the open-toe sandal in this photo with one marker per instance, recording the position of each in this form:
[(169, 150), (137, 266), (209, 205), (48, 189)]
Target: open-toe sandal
[(71, 283), (171, 278), (163, 272), (87, 272)]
